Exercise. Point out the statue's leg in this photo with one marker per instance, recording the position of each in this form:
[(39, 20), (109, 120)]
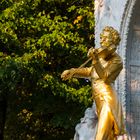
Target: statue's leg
[(105, 124)]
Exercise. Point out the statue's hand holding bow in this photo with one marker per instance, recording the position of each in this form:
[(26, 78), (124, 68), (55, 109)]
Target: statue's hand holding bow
[(67, 74)]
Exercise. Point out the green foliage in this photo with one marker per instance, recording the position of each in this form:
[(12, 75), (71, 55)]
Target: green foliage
[(38, 40)]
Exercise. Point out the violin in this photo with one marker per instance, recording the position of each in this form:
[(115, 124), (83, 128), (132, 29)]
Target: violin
[(102, 52)]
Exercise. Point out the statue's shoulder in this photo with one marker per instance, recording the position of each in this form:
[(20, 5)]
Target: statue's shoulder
[(117, 56), (116, 59)]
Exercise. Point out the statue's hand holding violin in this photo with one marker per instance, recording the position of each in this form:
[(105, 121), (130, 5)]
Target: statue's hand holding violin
[(93, 53)]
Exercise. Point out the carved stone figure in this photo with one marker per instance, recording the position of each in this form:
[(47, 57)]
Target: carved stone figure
[(86, 129), (106, 66)]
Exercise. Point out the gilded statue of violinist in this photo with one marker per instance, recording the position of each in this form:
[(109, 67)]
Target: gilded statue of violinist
[(106, 66)]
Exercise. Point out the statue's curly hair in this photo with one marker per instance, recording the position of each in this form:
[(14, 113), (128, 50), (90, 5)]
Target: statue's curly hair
[(114, 34)]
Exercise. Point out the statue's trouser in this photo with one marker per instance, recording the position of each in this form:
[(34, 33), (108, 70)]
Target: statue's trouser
[(105, 124), (109, 112)]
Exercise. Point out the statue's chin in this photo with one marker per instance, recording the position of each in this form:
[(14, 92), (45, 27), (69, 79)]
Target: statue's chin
[(106, 44)]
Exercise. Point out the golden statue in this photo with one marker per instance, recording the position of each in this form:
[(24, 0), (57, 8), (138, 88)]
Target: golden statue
[(106, 66)]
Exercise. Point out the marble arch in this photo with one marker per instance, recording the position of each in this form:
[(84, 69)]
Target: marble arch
[(124, 30)]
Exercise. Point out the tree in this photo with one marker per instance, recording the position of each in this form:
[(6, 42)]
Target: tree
[(39, 39)]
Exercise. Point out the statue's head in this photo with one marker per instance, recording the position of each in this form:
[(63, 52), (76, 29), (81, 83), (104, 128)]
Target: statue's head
[(109, 36)]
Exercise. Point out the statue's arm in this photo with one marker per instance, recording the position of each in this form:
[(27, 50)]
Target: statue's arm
[(82, 72), (111, 71), (77, 72)]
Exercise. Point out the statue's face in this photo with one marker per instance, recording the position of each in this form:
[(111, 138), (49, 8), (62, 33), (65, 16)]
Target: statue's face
[(106, 39)]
